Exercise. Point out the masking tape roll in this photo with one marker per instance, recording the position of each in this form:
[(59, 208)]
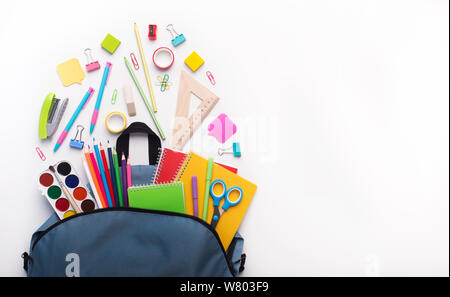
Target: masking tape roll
[(112, 115), (160, 58)]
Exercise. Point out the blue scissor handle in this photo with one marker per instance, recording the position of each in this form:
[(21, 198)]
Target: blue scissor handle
[(217, 198), (229, 203)]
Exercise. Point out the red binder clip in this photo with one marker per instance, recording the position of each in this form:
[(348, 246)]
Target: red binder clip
[(211, 77), (152, 32)]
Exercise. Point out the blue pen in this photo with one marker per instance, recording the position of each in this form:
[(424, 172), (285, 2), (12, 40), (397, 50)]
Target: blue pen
[(99, 96), (73, 118), (102, 173)]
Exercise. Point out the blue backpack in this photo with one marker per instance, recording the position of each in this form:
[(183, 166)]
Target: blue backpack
[(131, 242)]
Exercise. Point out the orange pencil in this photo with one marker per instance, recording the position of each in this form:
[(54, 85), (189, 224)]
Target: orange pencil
[(108, 176), (94, 179)]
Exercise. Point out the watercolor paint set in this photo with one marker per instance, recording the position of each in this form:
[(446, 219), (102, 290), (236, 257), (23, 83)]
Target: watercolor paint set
[(61, 185)]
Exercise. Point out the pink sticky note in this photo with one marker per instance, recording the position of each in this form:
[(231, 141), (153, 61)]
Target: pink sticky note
[(222, 128)]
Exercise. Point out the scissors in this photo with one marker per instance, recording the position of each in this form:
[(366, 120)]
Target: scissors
[(216, 200)]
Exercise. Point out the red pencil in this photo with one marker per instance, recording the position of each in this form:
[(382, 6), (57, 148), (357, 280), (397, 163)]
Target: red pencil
[(108, 176), (99, 179)]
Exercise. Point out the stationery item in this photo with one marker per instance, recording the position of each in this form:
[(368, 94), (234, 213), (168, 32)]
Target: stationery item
[(118, 177), (91, 181), (129, 99), (91, 63), (107, 174), (129, 183), (144, 64), (101, 202), (134, 61), (155, 120), (227, 202), (170, 163), (115, 122), (124, 181), (112, 173), (73, 118), (222, 128), (207, 185), (194, 61), (164, 82), (99, 96), (77, 143), (236, 150), (152, 32), (210, 77), (163, 58), (177, 39), (166, 197), (114, 97), (103, 175), (98, 177), (40, 154), (230, 220), (70, 72), (110, 43), (195, 195), (184, 127), (60, 184), (51, 114)]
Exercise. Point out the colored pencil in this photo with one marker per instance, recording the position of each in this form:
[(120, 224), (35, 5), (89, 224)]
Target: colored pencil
[(102, 174), (118, 179), (108, 176), (124, 181), (113, 176), (92, 179), (195, 195), (208, 183), (144, 64), (129, 183), (98, 177)]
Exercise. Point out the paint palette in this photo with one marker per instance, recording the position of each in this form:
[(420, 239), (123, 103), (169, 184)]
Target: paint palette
[(55, 195)]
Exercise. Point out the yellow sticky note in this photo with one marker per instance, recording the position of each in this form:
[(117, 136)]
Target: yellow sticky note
[(194, 61), (70, 72)]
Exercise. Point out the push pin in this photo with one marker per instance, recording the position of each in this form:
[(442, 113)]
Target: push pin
[(236, 150), (91, 64), (77, 143), (152, 32), (177, 38)]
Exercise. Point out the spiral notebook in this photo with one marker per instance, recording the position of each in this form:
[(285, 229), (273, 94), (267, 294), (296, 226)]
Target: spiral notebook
[(169, 164), (168, 197), (231, 219)]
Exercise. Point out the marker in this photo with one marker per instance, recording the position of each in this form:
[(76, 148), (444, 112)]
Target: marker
[(99, 96), (73, 118)]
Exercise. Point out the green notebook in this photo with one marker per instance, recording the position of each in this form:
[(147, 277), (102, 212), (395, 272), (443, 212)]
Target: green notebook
[(168, 197)]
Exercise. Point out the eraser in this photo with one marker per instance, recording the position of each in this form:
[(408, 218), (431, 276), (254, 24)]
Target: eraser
[(110, 43), (129, 100)]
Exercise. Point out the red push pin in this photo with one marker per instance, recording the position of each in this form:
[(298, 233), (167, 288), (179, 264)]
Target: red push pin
[(152, 32)]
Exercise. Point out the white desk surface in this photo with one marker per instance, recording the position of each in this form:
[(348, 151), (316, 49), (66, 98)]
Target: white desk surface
[(342, 110)]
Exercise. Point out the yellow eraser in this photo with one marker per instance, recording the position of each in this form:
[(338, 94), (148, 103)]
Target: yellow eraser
[(70, 72), (194, 61)]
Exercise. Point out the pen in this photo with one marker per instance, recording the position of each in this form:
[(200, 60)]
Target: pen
[(100, 95), (73, 118)]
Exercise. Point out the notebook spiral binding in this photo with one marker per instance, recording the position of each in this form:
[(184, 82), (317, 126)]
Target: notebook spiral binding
[(158, 161), (154, 186), (183, 167)]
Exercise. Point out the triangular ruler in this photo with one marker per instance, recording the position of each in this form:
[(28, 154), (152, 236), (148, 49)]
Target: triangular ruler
[(185, 126)]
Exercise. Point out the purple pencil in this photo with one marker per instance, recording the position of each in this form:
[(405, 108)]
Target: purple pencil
[(124, 181), (194, 195)]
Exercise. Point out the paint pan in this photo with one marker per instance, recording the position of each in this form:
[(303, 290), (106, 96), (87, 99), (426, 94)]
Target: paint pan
[(52, 190)]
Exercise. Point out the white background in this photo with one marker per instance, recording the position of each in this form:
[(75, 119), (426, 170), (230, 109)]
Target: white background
[(341, 107)]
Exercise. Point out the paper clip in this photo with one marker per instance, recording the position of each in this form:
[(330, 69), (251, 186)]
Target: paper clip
[(211, 77), (164, 82), (40, 154), (134, 61), (114, 97)]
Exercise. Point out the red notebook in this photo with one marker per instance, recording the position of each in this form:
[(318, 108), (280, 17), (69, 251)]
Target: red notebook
[(169, 164)]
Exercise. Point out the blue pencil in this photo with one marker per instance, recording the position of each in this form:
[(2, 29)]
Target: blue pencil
[(113, 175), (102, 173)]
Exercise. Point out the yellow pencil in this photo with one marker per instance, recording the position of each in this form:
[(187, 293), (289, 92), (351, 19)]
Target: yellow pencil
[(144, 63)]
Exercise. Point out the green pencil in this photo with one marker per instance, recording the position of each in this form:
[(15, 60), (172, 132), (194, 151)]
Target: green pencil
[(118, 179), (133, 75), (208, 184)]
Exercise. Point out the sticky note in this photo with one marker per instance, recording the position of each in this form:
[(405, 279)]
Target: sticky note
[(70, 72), (110, 43), (194, 61)]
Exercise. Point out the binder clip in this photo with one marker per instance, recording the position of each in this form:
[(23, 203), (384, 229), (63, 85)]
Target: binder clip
[(152, 32), (91, 64), (77, 143), (236, 150), (177, 38)]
